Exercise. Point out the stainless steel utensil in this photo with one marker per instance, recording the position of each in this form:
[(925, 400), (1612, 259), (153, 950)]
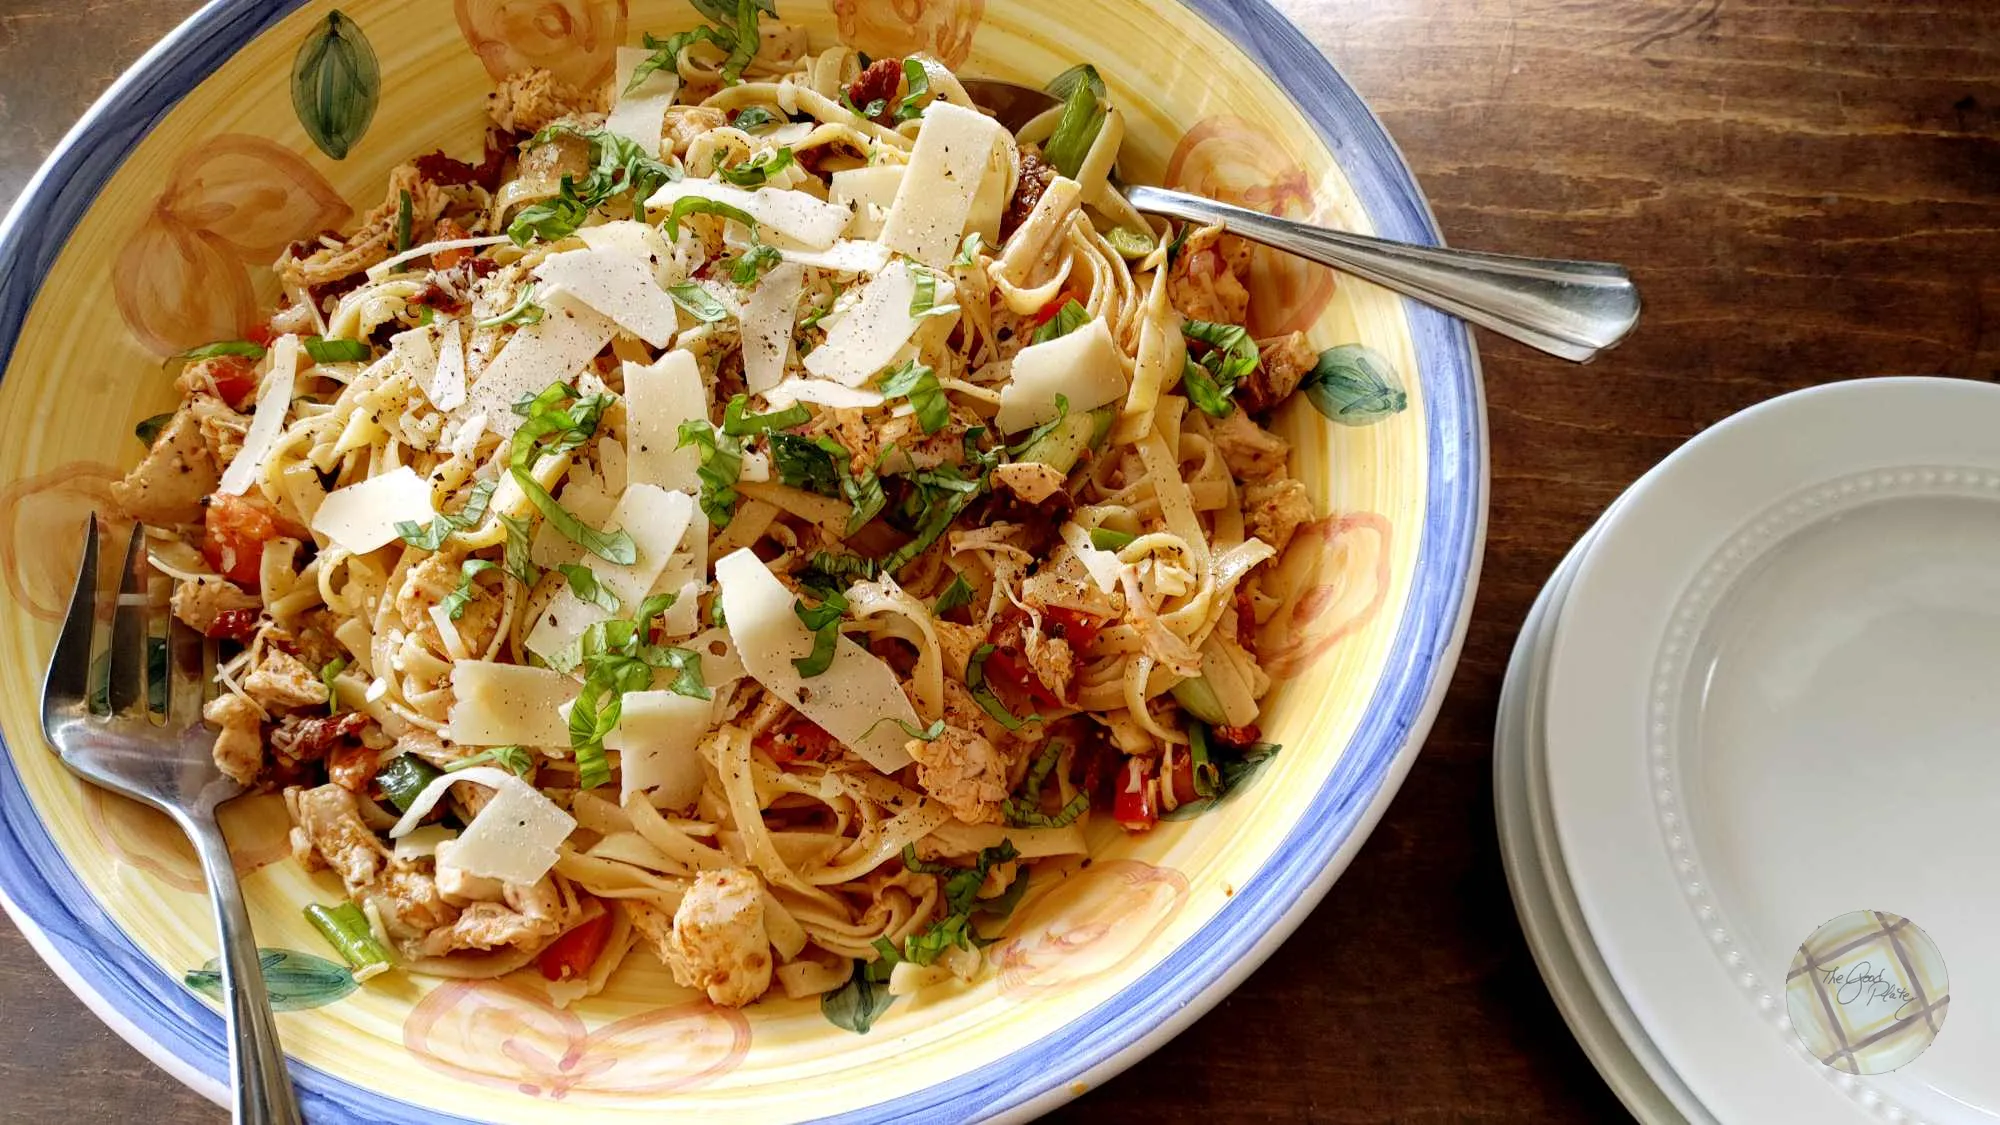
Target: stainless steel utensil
[(1566, 308), (172, 768)]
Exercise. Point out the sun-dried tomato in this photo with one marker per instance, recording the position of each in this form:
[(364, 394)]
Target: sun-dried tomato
[(310, 739), (879, 82), (444, 170), (801, 740), (1036, 176), (234, 625), (1242, 738)]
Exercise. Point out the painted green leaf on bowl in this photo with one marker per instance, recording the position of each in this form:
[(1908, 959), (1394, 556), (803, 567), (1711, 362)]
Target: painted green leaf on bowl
[(336, 84), (296, 980), (1354, 385)]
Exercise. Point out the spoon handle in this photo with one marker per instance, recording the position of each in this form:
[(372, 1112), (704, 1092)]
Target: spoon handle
[(1568, 309)]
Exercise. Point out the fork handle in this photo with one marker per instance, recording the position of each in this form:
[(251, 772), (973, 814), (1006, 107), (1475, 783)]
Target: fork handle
[(263, 1089), (1566, 308)]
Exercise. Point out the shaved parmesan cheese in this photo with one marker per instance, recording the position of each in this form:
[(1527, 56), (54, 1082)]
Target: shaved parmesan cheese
[(508, 704), (822, 392), (618, 283), (422, 842), (274, 400), (550, 350), (362, 517), (656, 740), (1102, 565), (852, 699), (558, 626), (657, 400), (513, 839), (657, 520), (465, 442), (1083, 367), (640, 115), (953, 151), (815, 223), (845, 256), (446, 390), (768, 317), (583, 497), (871, 192), (414, 354), (870, 331)]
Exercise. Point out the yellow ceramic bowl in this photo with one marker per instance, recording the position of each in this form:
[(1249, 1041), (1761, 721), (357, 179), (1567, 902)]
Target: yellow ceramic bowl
[(150, 231)]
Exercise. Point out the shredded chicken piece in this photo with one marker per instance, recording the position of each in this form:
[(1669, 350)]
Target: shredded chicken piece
[(962, 768), (427, 584), (1202, 283), (1250, 451), (527, 100), (373, 240), (239, 744), (169, 484), (197, 602), (421, 743), (410, 902), (280, 681), (328, 832), (718, 942), (1032, 481), (1052, 659), (1281, 363), (1274, 509), (459, 886), (528, 916), (955, 644), (686, 122)]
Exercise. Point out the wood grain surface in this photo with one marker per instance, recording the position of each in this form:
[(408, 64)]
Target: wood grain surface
[(1806, 191)]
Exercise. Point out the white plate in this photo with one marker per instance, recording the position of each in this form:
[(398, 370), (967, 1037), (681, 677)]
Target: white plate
[(1773, 701), (1577, 978)]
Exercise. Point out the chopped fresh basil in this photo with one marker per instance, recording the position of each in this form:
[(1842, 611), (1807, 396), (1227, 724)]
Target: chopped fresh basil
[(968, 251), (814, 464), (584, 584), (244, 348), (1232, 355), (864, 494), (721, 466), (1024, 809), (148, 429), (524, 312), (919, 384), (1227, 771), (520, 567), (324, 350), (923, 298), (699, 302), (695, 205), (617, 657), (959, 593), (667, 52), (1068, 319), (455, 602), (402, 221), (739, 422), (982, 693), (550, 219), (617, 167), (961, 901), (1110, 539), (928, 734), (1354, 385), (753, 263), (753, 119), (841, 566), (1082, 118), (1043, 430), (328, 673), (1202, 390), (518, 760), (432, 536), (917, 84), (758, 170), (824, 621), (856, 1005), (613, 546)]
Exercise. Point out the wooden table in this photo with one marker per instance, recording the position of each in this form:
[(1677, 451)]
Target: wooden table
[(1805, 192)]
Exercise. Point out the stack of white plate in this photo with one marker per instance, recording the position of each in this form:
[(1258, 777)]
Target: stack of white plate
[(1747, 768)]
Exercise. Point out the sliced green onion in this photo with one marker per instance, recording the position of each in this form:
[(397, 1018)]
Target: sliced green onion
[(404, 778), (346, 929)]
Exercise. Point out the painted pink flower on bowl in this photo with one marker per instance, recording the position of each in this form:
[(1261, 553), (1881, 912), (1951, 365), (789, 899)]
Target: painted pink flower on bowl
[(143, 838), (576, 39), (1338, 569), (231, 203), (41, 532), (1232, 159), (501, 1035), (889, 28), (1092, 923)]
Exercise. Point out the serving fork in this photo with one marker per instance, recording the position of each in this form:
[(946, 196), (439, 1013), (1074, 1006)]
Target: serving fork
[(169, 765)]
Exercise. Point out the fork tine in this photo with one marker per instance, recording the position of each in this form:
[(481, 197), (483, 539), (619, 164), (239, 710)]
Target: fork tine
[(68, 681), (188, 675), (128, 630)]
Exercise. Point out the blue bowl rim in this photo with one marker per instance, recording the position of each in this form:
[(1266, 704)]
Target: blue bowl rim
[(151, 1009)]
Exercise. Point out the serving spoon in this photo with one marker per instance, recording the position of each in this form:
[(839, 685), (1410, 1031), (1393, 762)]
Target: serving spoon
[(1565, 308)]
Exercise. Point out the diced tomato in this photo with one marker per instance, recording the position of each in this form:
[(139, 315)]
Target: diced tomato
[(233, 537), (352, 766), (1180, 777), (1048, 312), (234, 376), (1137, 807), (261, 335), (570, 956), (447, 231), (801, 741), (1080, 629), (1007, 666), (234, 625)]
